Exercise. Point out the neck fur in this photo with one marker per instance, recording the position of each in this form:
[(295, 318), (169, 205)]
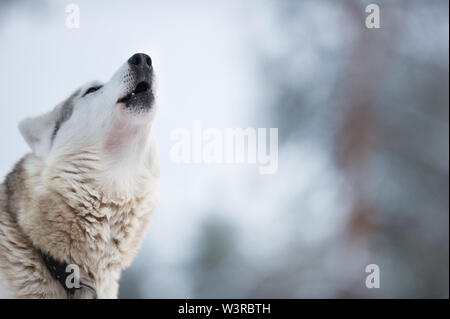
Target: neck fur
[(65, 212)]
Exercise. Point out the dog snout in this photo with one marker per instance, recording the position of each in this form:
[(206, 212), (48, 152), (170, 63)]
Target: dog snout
[(140, 60)]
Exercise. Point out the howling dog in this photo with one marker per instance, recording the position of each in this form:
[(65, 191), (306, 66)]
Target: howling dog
[(73, 211)]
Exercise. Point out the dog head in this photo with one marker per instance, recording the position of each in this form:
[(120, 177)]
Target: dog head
[(110, 121)]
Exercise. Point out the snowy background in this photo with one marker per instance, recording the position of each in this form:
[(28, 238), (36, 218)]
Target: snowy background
[(363, 125)]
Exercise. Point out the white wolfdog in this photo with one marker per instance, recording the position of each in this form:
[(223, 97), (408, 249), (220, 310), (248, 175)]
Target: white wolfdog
[(82, 199)]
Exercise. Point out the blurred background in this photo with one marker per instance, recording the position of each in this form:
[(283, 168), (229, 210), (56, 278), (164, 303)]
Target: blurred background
[(363, 121)]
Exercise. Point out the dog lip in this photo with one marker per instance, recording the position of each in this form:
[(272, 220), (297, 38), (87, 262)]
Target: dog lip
[(141, 87)]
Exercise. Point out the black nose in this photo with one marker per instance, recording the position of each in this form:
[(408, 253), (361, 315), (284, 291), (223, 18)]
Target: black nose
[(140, 59)]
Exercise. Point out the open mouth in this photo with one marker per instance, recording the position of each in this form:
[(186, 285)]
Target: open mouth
[(141, 88)]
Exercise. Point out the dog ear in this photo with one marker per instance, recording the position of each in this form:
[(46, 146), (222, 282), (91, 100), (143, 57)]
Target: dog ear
[(37, 131)]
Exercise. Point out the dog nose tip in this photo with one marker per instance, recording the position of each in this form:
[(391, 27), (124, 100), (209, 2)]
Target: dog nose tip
[(140, 59)]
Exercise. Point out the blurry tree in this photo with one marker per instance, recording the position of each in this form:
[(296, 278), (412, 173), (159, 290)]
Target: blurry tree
[(386, 128)]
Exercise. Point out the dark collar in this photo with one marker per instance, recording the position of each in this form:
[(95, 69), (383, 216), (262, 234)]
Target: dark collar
[(58, 271)]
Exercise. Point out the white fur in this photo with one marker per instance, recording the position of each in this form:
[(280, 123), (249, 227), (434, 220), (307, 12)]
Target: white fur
[(123, 142)]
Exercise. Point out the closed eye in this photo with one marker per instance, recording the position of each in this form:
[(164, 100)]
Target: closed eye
[(92, 89)]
